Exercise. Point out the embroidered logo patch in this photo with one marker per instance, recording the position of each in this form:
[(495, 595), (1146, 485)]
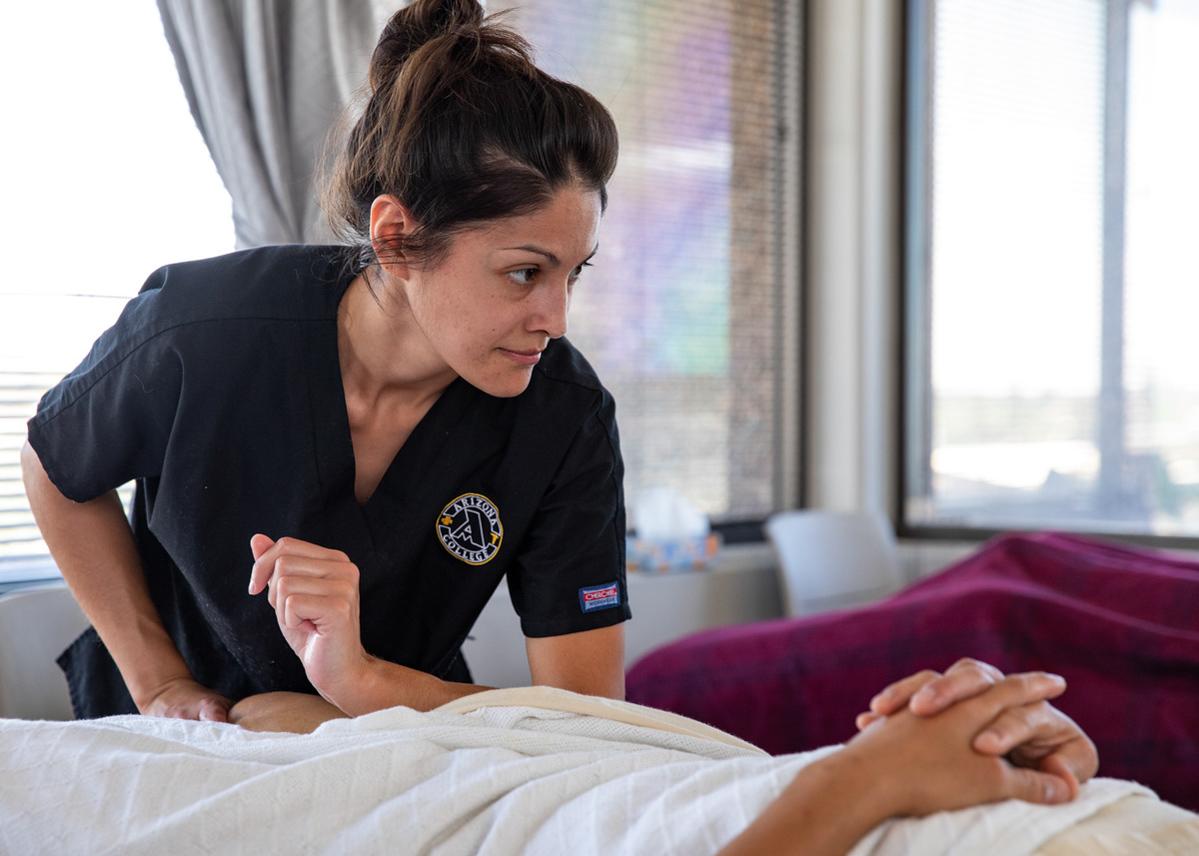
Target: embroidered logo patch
[(592, 598), (470, 529)]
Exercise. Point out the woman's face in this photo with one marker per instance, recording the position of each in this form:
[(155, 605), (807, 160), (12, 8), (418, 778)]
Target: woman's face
[(503, 291)]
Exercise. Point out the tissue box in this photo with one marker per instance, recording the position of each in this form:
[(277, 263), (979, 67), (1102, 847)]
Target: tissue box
[(674, 555)]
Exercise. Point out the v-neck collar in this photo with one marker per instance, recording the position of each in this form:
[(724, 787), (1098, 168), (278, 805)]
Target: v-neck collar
[(336, 465)]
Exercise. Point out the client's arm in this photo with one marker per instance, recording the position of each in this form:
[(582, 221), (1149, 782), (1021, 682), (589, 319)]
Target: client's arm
[(299, 713), (903, 765)]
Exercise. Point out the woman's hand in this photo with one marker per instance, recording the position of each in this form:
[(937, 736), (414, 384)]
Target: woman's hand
[(183, 698), (1035, 735), (933, 763), (314, 591)]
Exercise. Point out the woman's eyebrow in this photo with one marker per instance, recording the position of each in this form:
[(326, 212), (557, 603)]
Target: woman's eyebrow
[(553, 260)]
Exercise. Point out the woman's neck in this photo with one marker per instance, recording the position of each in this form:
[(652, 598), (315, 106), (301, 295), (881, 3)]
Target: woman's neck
[(383, 352)]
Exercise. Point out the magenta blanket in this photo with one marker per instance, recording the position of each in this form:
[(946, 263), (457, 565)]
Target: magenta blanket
[(1121, 624)]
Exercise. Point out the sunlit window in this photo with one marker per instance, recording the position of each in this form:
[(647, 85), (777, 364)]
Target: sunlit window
[(1053, 268), (106, 178)]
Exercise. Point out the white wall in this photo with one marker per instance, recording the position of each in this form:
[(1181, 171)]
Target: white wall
[(743, 587)]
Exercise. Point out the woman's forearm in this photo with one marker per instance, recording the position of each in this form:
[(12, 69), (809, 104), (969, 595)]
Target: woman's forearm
[(93, 546), (825, 810), (383, 684)]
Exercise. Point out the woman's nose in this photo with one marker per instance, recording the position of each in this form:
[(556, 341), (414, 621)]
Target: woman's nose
[(553, 306)]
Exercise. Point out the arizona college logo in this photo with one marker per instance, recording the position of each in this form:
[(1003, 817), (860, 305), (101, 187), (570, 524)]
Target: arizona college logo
[(470, 529)]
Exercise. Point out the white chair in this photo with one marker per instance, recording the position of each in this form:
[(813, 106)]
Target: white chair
[(36, 625), (833, 560)]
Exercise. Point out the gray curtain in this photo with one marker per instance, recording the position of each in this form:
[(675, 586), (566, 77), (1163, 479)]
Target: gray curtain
[(265, 80)]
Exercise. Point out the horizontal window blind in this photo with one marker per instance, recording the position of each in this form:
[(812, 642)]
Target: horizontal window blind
[(690, 311)]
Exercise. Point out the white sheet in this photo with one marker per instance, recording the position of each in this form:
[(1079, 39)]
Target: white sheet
[(531, 771)]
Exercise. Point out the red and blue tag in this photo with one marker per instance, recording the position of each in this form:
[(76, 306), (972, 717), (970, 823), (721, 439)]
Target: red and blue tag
[(592, 598)]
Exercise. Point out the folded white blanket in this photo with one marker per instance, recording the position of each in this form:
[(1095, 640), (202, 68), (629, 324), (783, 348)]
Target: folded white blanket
[(528, 770)]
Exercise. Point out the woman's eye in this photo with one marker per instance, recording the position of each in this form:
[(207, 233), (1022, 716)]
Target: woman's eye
[(525, 276), (520, 279)]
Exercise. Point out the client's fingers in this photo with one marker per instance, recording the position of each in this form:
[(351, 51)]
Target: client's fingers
[(1056, 766), (895, 696), (1017, 725), (1034, 734), (1014, 691), (1073, 752), (1037, 787), (864, 720), (964, 679)]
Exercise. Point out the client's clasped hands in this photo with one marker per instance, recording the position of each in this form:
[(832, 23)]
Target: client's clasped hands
[(1022, 746)]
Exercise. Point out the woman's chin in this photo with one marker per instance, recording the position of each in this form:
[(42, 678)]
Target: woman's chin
[(507, 384)]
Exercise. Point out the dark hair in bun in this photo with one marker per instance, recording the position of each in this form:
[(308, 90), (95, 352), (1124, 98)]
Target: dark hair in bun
[(463, 128)]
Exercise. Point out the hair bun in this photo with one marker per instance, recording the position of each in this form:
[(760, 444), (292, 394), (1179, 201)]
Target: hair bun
[(419, 22)]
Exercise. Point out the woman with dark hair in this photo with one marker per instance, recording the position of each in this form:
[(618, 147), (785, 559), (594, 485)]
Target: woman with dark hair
[(392, 425)]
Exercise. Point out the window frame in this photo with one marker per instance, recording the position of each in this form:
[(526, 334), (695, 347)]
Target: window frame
[(912, 323)]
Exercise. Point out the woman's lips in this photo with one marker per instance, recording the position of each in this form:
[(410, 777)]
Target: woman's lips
[(524, 358)]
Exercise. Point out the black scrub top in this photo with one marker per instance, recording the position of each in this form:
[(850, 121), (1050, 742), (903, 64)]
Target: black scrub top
[(219, 390)]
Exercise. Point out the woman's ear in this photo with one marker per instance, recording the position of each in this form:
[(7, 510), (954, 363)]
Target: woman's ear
[(391, 222)]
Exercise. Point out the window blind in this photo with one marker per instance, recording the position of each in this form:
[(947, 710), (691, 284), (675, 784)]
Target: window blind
[(691, 309)]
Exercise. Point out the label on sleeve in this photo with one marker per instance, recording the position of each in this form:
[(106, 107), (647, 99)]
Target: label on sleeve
[(605, 596)]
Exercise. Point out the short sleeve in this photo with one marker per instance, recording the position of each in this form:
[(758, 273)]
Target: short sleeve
[(570, 573), (109, 420)]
